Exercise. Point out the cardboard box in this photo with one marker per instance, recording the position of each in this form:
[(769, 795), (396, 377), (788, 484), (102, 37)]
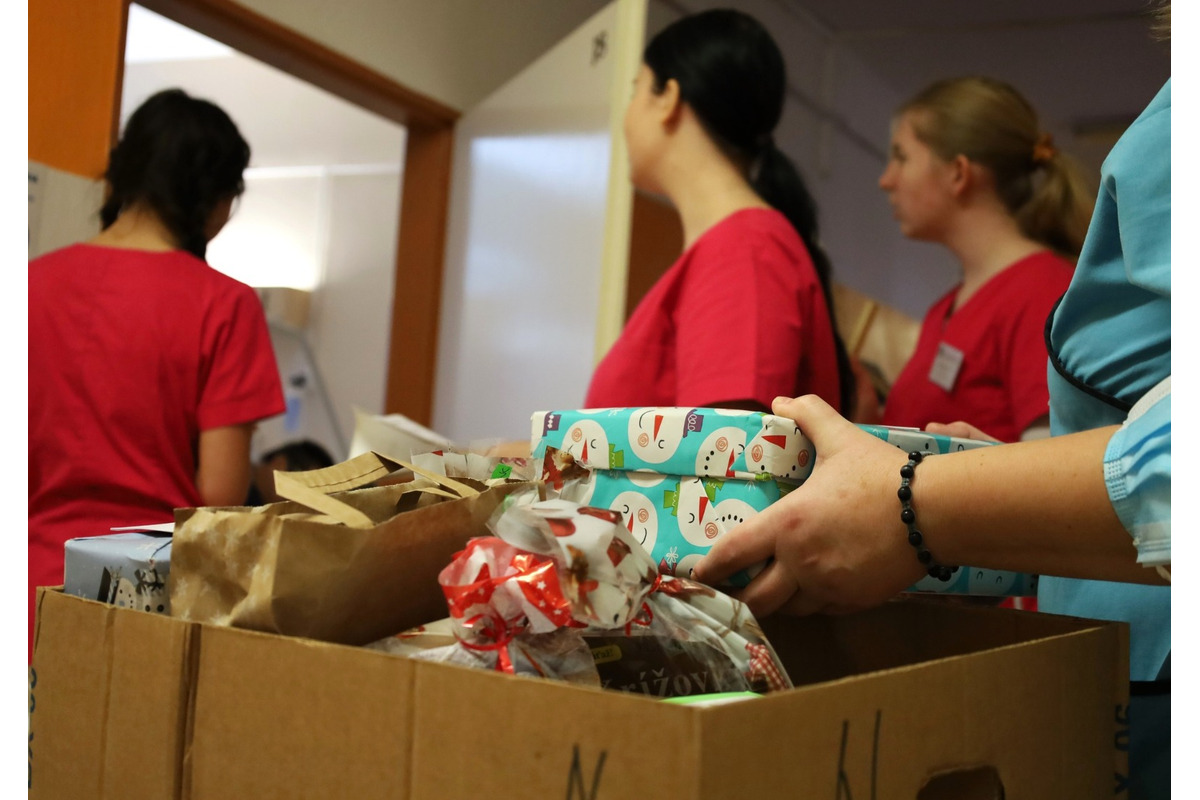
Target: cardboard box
[(960, 701)]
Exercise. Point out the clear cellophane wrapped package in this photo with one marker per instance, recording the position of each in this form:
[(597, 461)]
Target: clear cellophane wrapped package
[(562, 591)]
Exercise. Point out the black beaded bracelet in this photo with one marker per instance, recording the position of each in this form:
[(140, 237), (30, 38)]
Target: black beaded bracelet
[(909, 518)]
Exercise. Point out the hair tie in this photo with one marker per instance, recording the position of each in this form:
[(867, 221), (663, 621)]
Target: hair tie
[(1043, 149)]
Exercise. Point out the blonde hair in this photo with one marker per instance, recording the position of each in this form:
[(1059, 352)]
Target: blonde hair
[(1161, 26), (990, 123)]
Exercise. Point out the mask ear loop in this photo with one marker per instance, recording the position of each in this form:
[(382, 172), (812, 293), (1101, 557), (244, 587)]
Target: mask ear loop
[(1164, 572)]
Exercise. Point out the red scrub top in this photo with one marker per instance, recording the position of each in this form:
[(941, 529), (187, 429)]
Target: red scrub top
[(989, 355), (131, 355), (739, 316)]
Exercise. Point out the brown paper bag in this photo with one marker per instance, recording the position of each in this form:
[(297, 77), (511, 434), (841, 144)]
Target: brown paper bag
[(330, 564)]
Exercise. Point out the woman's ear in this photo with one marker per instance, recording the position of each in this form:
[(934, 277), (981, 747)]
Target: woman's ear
[(219, 216), (963, 175), (669, 103)]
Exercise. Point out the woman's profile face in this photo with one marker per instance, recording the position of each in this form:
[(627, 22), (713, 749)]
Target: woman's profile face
[(641, 130), (918, 184)]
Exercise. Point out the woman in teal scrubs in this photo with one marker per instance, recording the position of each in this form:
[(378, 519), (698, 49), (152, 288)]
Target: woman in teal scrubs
[(1091, 504)]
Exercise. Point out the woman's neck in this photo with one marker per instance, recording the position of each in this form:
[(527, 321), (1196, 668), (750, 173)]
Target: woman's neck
[(986, 242), (137, 228), (705, 188)]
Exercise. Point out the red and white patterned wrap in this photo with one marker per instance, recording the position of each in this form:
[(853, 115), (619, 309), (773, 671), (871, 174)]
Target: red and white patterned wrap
[(557, 573)]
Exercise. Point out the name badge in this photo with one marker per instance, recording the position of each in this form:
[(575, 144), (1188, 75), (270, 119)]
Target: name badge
[(946, 366)]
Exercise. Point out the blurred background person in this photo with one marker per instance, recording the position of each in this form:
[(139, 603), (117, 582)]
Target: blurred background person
[(298, 456), (148, 368), (970, 169), (745, 313)]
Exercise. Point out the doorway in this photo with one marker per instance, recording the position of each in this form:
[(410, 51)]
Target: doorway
[(315, 231)]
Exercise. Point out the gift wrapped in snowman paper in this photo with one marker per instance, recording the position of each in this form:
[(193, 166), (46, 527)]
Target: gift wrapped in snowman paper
[(683, 477), (562, 591)]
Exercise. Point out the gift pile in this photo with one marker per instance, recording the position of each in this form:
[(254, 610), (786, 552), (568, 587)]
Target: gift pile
[(563, 591)]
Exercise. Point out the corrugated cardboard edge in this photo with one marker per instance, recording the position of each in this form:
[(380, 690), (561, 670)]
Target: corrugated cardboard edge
[(187, 719)]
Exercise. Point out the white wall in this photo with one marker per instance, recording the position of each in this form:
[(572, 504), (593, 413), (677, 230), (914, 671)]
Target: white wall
[(455, 51), (341, 224)]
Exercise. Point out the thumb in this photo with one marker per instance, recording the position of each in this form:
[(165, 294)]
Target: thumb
[(816, 419)]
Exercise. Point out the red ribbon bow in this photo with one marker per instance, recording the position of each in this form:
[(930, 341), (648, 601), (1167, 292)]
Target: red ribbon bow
[(488, 628)]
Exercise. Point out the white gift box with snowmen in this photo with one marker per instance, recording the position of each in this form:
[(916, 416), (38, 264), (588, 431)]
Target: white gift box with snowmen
[(705, 442), (682, 477)]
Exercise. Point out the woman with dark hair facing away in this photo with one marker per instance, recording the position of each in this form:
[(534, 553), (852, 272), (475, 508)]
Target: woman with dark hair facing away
[(971, 170), (745, 313), (148, 368)]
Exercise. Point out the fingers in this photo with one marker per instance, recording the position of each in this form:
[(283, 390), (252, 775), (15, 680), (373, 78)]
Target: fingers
[(816, 419), (752, 542), (959, 429), (770, 589), (801, 604)]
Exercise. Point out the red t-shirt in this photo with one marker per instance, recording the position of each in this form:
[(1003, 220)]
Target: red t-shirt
[(131, 355), (992, 370), (740, 315)]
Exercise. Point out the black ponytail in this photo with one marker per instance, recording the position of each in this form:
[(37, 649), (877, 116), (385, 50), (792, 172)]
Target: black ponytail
[(181, 157), (778, 183), (732, 75)]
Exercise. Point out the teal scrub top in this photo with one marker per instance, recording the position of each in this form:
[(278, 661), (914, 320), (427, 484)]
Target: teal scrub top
[(1109, 341)]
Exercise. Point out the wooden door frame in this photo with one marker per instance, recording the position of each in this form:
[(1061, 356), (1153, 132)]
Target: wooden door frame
[(425, 192)]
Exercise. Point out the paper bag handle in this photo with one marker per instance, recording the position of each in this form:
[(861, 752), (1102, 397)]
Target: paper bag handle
[(313, 487)]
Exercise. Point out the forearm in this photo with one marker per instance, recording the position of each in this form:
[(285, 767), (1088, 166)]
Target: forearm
[(223, 471), (1039, 507)]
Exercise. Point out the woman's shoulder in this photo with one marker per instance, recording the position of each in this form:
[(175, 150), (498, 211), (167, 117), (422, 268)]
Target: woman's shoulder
[(1045, 267), (177, 267), (62, 255), (762, 231)]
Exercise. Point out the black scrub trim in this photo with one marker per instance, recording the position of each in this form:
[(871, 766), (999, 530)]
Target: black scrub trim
[(1061, 369), (1148, 688)]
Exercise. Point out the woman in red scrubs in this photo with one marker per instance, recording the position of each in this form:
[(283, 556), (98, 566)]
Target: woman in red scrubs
[(148, 368), (744, 315), (970, 169)]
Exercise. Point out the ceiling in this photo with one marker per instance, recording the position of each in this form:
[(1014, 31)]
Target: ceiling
[(1088, 66), (289, 123)]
